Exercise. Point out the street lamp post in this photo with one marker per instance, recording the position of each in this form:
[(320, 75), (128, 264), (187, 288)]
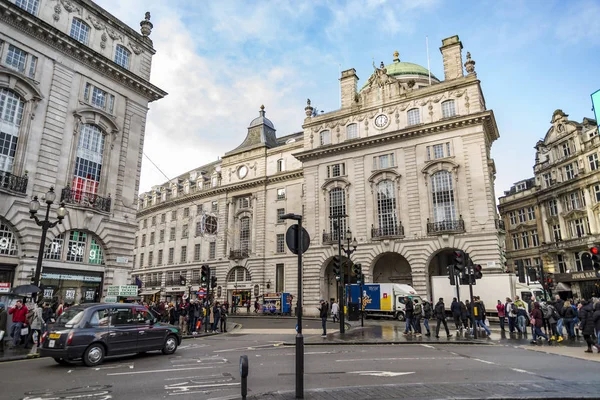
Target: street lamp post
[(34, 206), (350, 248)]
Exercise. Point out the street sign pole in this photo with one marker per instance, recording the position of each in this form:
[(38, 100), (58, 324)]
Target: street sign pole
[(473, 324), (342, 278), (457, 281)]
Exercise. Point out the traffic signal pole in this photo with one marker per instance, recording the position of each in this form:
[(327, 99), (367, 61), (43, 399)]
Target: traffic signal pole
[(342, 279)]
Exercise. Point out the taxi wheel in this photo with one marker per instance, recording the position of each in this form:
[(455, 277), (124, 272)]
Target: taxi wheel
[(61, 361), (170, 345), (93, 355)]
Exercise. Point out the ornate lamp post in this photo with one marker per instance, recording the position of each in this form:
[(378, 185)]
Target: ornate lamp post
[(34, 206), (350, 248)]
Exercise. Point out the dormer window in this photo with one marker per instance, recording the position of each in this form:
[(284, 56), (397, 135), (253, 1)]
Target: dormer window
[(122, 56), (325, 138), (80, 31)]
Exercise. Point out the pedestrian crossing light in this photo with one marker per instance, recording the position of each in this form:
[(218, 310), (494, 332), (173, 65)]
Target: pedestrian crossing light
[(337, 267), (520, 271), (478, 271), (213, 282), (204, 276), (550, 281), (357, 269), (595, 257), (451, 274), (459, 260)]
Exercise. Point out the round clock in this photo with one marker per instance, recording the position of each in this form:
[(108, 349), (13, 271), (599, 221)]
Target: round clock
[(381, 120), (242, 171)]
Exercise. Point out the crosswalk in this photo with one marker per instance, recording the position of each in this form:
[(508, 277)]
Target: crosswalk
[(286, 331)]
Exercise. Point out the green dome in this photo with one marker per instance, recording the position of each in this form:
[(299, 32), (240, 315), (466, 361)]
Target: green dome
[(399, 68)]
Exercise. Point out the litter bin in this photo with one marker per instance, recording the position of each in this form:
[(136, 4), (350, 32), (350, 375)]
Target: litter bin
[(353, 311)]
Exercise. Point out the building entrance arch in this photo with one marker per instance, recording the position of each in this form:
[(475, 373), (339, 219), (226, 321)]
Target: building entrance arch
[(392, 268), (330, 285), (438, 265)]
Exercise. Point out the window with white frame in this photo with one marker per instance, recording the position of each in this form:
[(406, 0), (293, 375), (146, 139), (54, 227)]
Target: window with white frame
[(337, 206), (578, 262), (352, 131), (80, 31), (159, 260), (413, 116), (386, 208), (212, 250), (513, 217), (535, 240), (31, 6), (171, 258), (18, 59), (122, 56), (244, 202), (336, 170), (566, 149), (547, 180), (577, 227), (325, 138), (562, 265), (553, 207), (522, 218), (593, 160), (197, 252), (280, 165), (439, 150), (444, 208), (245, 233), (516, 241), (99, 98), (556, 232), (281, 194), (383, 161), (280, 214), (570, 171), (448, 109), (596, 189), (531, 213), (88, 163), (525, 239), (11, 115), (280, 243), (183, 254)]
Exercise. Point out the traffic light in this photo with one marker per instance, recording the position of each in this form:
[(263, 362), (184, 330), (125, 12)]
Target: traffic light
[(595, 257), (520, 271), (213, 282), (533, 275), (478, 273), (459, 259), (357, 269), (550, 281), (337, 267), (204, 276), (451, 274)]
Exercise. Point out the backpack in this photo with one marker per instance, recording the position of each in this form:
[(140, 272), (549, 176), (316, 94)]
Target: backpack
[(417, 309)]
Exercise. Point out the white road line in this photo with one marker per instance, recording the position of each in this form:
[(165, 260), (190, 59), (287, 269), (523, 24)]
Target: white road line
[(428, 346), (523, 371), (232, 397), (192, 377), (186, 389), (387, 374), (155, 371), (400, 358), (484, 361)]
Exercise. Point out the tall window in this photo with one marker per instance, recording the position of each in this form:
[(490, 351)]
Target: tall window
[(31, 6), (593, 160), (279, 277), (212, 250), (562, 265), (280, 165), (522, 215), (337, 206), (352, 131), (325, 138), (244, 233), (596, 190), (448, 109), (566, 149), (122, 56), (578, 227), (11, 114), (414, 117), (152, 238), (553, 207), (159, 261), (88, 164), (183, 254), (77, 242), (171, 255), (280, 214), (280, 243), (80, 31), (386, 207), (184, 231), (516, 241), (150, 258), (556, 232), (513, 218), (444, 208), (172, 233), (525, 238), (570, 171), (143, 240), (197, 252), (535, 241), (531, 213), (161, 236)]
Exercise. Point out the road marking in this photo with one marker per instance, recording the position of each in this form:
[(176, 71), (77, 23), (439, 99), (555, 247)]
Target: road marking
[(483, 361), (400, 358), (428, 346), (319, 352), (232, 397), (155, 371), (380, 373), (523, 371), (251, 348)]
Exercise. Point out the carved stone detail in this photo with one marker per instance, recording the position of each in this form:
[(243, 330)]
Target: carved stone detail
[(95, 23), (136, 49), (103, 38)]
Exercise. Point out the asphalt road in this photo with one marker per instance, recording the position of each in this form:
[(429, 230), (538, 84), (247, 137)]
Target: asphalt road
[(208, 368)]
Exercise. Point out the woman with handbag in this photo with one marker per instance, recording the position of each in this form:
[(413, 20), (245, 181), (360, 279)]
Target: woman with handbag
[(536, 323)]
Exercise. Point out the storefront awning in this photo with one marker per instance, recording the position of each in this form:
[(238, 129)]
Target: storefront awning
[(562, 287), (149, 292)]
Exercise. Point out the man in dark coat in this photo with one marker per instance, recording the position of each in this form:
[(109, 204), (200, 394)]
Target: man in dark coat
[(440, 315), (455, 309), (596, 319), (323, 311), (586, 316), (408, 314)]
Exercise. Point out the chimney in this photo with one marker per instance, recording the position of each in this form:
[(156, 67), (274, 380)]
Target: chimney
[(452, 55), (348, 86)]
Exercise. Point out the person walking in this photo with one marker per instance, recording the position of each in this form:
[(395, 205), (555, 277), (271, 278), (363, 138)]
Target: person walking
[(3, 323), (440, 315), (469, 319), (408, 314), (552, 317), (19, 319), (511, 310), (216, 316), (36, 323), (464, 316), (455, 309), (224, 318), (595, 318), (427, 313), (479, 314), (183, 318), (536, 323), (323, 312), (417, 315), (587, 327), (569, 315), (335, 310), (501, 314)]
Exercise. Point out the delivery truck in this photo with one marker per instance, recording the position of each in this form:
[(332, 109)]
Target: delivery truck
[(383, 299)]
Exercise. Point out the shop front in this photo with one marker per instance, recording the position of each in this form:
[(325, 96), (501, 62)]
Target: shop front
[(71, 286), (582, 285), (175, 294), (150, 295)]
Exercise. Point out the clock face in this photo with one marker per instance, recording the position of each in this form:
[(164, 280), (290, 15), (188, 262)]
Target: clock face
[(243, 171), (381, 120)]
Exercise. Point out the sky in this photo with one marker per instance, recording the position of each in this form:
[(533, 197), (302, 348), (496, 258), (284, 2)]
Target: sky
[(220, 60)]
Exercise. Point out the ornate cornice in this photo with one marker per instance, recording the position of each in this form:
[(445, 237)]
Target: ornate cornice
[(22, 20), (485, 117)]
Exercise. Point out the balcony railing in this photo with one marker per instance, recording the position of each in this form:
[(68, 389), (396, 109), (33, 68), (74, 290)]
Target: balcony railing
[(238, 254), (330, 237), (91, 200), (387, 231), (448, 226), (500, 224), (152, 284), (13, 183)]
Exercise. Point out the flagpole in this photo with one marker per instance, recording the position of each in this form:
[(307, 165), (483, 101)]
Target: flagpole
[(428, 63)]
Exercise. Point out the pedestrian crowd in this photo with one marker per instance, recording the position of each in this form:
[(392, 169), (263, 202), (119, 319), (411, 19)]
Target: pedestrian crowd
[(192, 317)]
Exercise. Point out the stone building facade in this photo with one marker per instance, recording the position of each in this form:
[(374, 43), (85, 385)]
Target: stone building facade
[(406, 158), (74, 94), (554, 217)]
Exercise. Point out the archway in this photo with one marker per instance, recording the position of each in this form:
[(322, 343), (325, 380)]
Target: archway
[(331, 284), (438, 266), (392, 268)]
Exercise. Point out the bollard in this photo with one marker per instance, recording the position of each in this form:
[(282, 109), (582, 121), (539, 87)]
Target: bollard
[(244, 375)]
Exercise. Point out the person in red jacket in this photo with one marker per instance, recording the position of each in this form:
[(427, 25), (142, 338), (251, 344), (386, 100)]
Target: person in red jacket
[(19, 319), (536, 323)]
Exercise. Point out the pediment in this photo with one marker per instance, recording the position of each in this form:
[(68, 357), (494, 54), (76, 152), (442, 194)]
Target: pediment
[(561, 127), (335, 183), (573, 214), (440, 164), (23, 86)]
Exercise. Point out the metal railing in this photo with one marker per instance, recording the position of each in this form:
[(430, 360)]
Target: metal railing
[(387, 231), (453, 225), (13, 182), (152, 283), (238, 254), (330, 237), (91, 200)]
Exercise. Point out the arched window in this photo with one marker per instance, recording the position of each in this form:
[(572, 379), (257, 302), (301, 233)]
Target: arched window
[(31, 6), (325, 138), (337, 206), (122, 56), (414, 117), (11, 114), (352, 131), (448, 109), (82, 247), (80, 31), (387, 213), (88, 165), (444, 207), (239, 274), (245, 233), (8, 241), (280, 165)]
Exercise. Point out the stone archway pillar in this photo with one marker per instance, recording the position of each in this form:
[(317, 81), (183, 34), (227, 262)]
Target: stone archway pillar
[(420, 278)]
